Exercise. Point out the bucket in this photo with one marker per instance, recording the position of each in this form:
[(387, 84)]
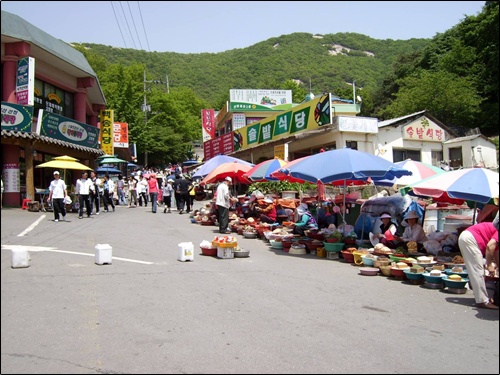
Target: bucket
[(186, 251), (103, 254), (20, 258), (357, 257)]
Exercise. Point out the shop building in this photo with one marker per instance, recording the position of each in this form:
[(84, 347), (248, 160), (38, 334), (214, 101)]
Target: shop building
[(51, 102), (328, 122)]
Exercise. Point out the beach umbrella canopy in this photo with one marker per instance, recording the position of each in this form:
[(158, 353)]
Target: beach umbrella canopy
[(232, 169), (419, 171), (341, 165), (107, 170), (214, 162), (282, 172), (109, 159), (261, 172), (472, 184), (64, 162)]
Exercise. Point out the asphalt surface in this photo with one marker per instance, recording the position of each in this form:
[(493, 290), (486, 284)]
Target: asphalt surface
[(270, 313)]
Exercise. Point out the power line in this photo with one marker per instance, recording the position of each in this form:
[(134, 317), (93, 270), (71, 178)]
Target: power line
[(128, 26), (118, 23), (143, 27), (133, 22)]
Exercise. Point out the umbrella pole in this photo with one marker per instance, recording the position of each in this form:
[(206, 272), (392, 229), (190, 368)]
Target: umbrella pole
[(474, 214), (343, 217)]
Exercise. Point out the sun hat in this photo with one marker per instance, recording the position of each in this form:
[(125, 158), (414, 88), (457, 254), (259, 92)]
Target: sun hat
[(56, 172), (411, 215), (268, 200), (302, 208), (170, 180), (385, 216), (228, 179)]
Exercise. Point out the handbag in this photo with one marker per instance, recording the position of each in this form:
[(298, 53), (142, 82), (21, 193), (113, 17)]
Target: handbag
[(67, 200)]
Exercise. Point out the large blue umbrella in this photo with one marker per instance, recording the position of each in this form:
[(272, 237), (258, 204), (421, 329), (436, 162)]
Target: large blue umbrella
[(339, 166), (345, 164), (107, 170), (214, 162)]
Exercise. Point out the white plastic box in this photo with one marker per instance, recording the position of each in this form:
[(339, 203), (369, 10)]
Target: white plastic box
[(225, 252), (186, 251), (103, 254), (20, 258)]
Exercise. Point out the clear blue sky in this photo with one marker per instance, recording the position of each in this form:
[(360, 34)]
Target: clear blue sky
[(215, 26)]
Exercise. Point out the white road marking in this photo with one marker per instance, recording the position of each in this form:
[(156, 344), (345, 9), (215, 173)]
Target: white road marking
[(53, 249), (31, 227)]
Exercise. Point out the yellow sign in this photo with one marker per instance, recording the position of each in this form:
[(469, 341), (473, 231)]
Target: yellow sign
[(107, 131), (279, 152)]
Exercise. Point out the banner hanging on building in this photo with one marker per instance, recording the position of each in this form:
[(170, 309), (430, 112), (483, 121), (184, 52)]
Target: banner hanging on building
[(120, 134), (16, 117), (107, 132), (25, 81), (208, 124), (67, 129)]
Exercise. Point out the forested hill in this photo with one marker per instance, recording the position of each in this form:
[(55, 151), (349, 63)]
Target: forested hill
[(324, 63)]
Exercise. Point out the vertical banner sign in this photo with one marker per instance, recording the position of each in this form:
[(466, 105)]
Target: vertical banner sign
[(107, 131), (120, 134), (25, 81), (208, 124), (12, 177)]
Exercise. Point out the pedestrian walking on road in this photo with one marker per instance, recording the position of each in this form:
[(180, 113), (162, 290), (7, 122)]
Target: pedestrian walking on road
[(57, 193), (95, 193), (82, 189), (132, 192), (108, 192), (153, 189), (168, 191)]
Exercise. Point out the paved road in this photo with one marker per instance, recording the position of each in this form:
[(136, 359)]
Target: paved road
[(272, 312)]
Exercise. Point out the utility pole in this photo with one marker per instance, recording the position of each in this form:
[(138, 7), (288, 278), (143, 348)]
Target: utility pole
[(147, 108)]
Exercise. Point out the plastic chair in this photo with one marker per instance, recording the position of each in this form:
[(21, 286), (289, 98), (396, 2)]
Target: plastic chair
[(25, 203)]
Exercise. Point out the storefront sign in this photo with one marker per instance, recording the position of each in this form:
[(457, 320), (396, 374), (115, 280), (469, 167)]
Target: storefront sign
[(281, 152), (107, 132), (66, 129), (259, 100), (357, 124), (423, 130), (16, 117), (120, 135), (25, 81), (239, 120)]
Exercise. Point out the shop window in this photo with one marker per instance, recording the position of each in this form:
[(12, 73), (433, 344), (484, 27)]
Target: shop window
[(456, 159), (353, 145), (401, 155), (53, 99), (437, 157)]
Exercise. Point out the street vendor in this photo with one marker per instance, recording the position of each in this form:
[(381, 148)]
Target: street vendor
[(305, 220), (266, 210), (413, 232)]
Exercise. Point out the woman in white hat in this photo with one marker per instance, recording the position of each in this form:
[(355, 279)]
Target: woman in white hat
[(387, 231), (267, 210), (413, 232)]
